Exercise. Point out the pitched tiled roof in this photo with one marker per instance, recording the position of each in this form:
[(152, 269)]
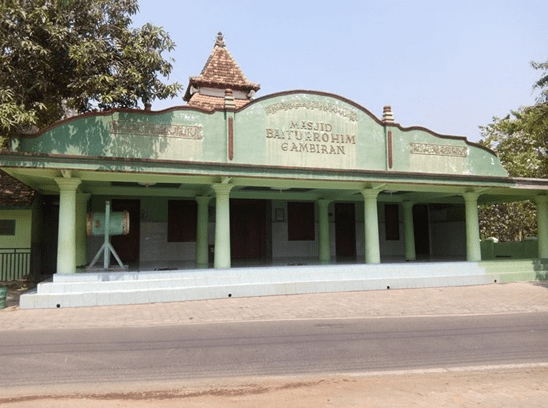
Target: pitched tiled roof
[(221, 72), (13, 193)]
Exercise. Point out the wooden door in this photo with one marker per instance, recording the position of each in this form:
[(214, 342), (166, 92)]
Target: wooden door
[(248, 230), (422, 230), (345, 230), (50, 235), (128, 246)]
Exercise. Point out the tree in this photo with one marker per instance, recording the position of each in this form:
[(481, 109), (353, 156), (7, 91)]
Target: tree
[(507, 222), (82, 55), (521, 142)]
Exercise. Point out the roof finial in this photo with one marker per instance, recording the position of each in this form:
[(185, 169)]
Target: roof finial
[(220, 42), (229, 99), (387, 115)]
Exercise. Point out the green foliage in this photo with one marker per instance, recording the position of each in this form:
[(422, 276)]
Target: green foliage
[(521, 142), (542, 83), (60, 55), (508, 221)]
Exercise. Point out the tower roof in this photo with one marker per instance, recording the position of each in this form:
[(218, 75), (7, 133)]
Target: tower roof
[(220, 72)]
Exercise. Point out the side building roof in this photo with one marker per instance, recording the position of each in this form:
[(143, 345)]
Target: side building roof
[(14, 193)]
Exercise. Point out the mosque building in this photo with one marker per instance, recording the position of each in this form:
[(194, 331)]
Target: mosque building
[(281, 182)]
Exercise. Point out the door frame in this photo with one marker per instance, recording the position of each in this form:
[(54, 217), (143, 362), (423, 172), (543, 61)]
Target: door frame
[(345, 230)]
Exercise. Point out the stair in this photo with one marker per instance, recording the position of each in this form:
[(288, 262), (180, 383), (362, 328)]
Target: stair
[(118, 288), (517, 270)]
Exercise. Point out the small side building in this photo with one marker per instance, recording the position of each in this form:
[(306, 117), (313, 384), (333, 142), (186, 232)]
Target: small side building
[(20, 229)]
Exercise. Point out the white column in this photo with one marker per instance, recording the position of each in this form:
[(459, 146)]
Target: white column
[(324, 241), (222, 225), (372, 246), (473, 248), (202, 241), (81, 235), (410, 253), (66, 243)]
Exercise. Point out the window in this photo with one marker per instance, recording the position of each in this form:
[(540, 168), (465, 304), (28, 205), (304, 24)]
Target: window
[(181, 220), (300, 221), (7, 227), (392, 222)]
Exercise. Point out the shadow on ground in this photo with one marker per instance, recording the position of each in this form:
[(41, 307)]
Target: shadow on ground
[(18, 287)]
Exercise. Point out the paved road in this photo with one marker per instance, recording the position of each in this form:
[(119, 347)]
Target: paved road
[(30, 358)]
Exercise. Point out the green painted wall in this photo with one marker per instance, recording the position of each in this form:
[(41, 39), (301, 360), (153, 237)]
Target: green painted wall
[(294, 130), (527, 249), (172, 135), (417, 150), (23, 229)]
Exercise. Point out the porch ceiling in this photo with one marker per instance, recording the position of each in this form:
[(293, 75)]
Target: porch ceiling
[(187, 186)]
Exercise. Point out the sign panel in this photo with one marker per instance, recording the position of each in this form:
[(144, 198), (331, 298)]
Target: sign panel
[(311, 133), (161, 140), (308, 130)]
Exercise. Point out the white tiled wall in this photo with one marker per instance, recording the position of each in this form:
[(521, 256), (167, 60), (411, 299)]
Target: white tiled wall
[(154, 245)]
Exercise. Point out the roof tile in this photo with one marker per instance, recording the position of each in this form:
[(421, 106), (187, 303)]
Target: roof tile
[(207, 102), (221, 71), (14, 193)]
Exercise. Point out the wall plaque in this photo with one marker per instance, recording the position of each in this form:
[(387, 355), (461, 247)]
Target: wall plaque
[(312, 105), (157, 129), (438, 150)]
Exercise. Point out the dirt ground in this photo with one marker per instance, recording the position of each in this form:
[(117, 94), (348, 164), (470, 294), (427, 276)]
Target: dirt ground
[(15, 289), (501, 387)]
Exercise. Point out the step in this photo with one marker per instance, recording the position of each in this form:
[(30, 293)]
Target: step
[(110, 288), (526, 265), (123, 281), (178, 294), (520, 276)]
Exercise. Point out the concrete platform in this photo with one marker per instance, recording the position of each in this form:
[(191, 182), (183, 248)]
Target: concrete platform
[(124, 288)]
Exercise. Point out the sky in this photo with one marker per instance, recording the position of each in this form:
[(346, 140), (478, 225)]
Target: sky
[(449, 66)]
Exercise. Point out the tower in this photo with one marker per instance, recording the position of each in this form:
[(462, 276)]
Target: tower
[(221, 72)]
